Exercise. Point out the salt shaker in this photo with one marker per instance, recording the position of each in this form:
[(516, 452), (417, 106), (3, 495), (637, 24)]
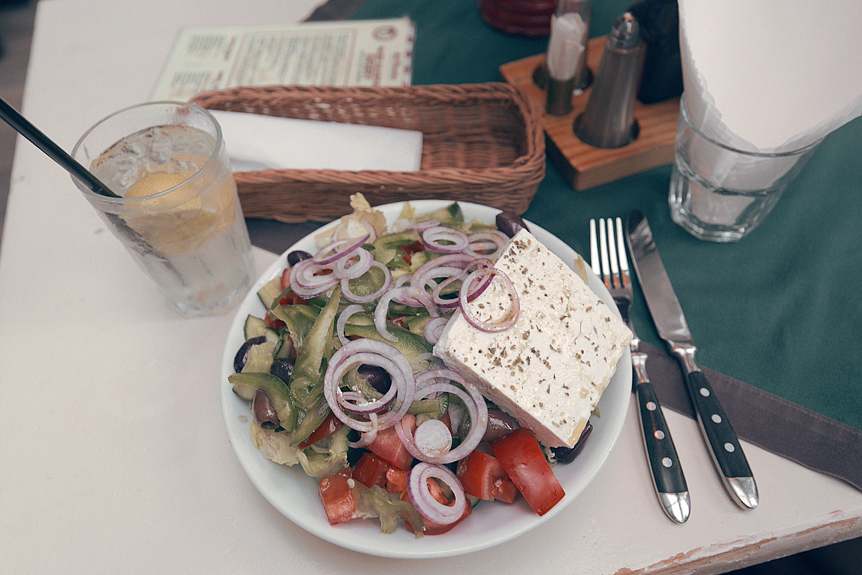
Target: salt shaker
[(608, 121), (565, 61)]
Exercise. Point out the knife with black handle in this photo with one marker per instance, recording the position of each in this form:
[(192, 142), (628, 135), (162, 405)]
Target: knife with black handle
[(718, 433)]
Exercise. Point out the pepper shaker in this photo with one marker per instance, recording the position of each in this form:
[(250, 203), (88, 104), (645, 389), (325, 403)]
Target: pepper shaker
[(608, 120)]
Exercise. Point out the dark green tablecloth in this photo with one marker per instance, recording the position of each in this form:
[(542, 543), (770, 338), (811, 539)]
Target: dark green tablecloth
[(779, 310)]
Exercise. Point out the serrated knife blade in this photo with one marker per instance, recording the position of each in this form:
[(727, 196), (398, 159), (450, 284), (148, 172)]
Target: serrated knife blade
[(667, 314)]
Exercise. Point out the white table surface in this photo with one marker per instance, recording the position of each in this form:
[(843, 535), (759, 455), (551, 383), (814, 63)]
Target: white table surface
[(113, 452)]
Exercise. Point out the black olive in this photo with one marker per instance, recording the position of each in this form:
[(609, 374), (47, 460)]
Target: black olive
[(377, 377), (510, 223), (567, 455), (297, 256), (242, 355), (264, 414), (500, 424), (282, 368), (354, 455)]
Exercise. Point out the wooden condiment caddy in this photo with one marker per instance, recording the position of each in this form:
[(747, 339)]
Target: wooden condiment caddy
[(584, 166)]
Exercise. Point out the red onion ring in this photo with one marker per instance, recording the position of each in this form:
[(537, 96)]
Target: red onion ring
[(373, 406), (309, 293), (471, 317), (304, 274), (372, 233), (408, 295), (297, 286), (369, 436), (448, 274), (432, 237), (441, 272), (425, 503), (423, 277), (355, 403), (371, 352), (404, 294), (446, 259), (433, 328), (406, 299), (492, 239), (422, 226), (473, 401), (342, 321), (337, 230), (348, 268), (325, 257), (481, 263), (401, 280)]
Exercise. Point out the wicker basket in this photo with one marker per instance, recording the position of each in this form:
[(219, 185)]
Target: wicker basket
[(482, 143)]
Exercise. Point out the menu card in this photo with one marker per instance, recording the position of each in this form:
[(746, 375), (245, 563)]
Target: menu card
[(347, 53)]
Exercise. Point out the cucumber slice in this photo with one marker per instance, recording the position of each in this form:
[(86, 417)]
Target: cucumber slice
[(269, 292), (275, 337), (260, 358), (450, 215), (409, 344), (298, 319), (416, 324), (254, 327)]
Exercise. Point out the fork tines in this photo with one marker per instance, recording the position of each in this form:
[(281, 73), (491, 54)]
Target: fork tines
[(608, 253)]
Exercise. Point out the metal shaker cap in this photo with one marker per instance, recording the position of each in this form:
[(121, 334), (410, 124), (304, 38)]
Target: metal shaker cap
[(608, 120), (626, 32)]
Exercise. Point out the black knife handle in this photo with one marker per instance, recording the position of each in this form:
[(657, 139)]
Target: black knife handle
[(664, 463), (719, 433)]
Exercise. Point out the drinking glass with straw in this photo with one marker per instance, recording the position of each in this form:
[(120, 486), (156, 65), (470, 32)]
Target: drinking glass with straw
[(158, 174)]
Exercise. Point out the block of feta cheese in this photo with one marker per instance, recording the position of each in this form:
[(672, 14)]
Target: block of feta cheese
[(550, 368)]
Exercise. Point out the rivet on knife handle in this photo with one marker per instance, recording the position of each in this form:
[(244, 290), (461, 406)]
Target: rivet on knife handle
[(665, 467)]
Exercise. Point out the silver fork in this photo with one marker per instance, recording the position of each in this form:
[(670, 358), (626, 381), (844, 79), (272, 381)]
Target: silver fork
[(609, 262)]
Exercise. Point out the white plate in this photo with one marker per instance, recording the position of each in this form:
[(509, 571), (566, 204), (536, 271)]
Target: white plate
[(294, 493)]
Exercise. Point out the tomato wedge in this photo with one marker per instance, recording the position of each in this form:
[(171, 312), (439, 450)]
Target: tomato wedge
[(410, 250), (337, 497), (521, 456), (289, 298), (273, 322), (329, 426), (370, 470), (396, 480), (482, 476), (388, 447)]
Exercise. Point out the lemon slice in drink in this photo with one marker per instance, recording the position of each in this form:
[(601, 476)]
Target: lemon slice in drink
[(176, 224), (155, 183)]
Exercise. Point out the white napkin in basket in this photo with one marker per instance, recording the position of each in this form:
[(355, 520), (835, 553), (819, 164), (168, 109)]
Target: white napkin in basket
[(255, 142)]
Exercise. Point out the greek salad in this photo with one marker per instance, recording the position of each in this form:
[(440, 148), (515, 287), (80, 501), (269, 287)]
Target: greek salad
[(340, 376)]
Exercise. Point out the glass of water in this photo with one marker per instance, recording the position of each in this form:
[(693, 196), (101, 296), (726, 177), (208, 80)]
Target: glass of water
[(720, 193), (178, 213)]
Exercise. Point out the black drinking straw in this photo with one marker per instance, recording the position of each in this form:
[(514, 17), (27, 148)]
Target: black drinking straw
[(44, 143)]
